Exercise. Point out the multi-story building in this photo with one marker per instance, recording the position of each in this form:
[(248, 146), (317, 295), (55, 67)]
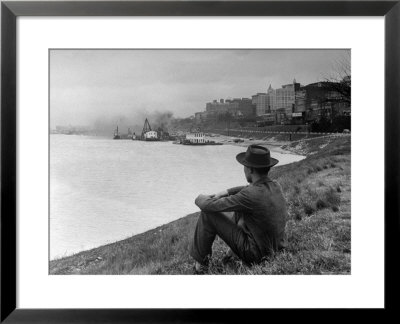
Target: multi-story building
[(323, 100), (270, 99), (291, 103), (281, 102), (267, 119), (284, 100), (300, 101), (237, 107), (245, 107), (200, 117), (260, 101), (300, 107)]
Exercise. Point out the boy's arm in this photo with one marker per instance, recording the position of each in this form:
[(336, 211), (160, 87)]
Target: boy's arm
[(228, 192), (235, 190), (238, 202)]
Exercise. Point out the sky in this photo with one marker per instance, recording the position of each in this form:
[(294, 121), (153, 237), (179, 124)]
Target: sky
[(92, 87)]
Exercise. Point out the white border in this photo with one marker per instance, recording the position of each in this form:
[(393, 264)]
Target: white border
[(363, 288)]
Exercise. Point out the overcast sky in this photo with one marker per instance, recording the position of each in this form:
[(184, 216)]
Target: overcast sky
[(88, 85)]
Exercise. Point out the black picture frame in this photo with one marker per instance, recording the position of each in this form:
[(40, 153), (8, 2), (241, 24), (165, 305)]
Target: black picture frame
[(10, 10)]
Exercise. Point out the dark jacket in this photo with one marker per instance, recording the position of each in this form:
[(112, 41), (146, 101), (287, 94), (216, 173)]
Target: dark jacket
[(261, 207)]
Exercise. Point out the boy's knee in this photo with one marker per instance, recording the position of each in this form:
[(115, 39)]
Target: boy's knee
[(209, 215), (204, 215)]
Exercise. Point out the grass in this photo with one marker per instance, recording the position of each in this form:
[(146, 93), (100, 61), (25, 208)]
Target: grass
[(317, 191)]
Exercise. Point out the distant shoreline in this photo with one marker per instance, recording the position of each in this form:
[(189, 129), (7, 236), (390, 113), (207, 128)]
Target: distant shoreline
[(270, 141), (273, 145)]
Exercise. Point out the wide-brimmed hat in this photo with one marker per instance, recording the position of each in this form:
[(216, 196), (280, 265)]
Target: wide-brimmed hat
[(256, 156)]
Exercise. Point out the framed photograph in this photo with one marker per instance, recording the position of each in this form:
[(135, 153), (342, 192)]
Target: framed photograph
[(160, 158)]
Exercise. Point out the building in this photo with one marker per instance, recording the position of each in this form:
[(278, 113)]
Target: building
[(278, 102), (300, 101), (237, 107), (266, 120), (300, 107), (260, 101), (281, 116), (200, 117), (290, 104), (323, 100), (285, 98), (270, 99), (243, 107), (216, 108)]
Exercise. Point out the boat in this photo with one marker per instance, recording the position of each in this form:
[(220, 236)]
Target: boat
[(126, 136), (151, 136), (197, 138), (130, 134), (116, 134), (148, 134), (186, 142)]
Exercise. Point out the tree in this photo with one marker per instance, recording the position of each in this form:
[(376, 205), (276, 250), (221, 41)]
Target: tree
[(340, 77)]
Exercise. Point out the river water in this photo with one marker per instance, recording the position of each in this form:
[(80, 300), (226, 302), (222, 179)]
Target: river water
[(104, 190)]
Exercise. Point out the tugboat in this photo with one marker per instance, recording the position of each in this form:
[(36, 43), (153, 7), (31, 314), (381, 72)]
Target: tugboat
[(116, 134), (130, 135)]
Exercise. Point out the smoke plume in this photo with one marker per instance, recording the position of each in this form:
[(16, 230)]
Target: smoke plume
[(106, 125)]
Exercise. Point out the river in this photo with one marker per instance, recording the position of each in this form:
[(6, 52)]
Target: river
[(104, 190)]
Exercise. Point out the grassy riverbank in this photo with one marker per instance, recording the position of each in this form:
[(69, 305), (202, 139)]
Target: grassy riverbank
[(318, 193)]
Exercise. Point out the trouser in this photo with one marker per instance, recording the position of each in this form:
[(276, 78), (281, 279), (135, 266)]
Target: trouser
[(228, 227)]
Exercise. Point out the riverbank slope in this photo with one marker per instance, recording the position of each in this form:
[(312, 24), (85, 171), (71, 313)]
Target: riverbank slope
[(318, 193)]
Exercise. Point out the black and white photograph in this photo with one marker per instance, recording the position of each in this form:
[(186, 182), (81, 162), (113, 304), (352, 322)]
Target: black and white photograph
[(199, 161)]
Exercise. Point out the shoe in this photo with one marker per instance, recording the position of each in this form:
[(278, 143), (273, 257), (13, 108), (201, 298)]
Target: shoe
[(228, 257), (200, 268)]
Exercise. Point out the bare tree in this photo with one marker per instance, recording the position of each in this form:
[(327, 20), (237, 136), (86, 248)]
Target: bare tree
[(340, 78)]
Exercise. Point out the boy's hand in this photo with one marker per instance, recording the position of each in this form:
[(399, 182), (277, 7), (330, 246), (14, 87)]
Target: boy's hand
[(200, 199), (221, 194)]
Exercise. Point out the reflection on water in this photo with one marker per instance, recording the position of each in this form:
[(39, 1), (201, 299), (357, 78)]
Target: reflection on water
[(102, 190)]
